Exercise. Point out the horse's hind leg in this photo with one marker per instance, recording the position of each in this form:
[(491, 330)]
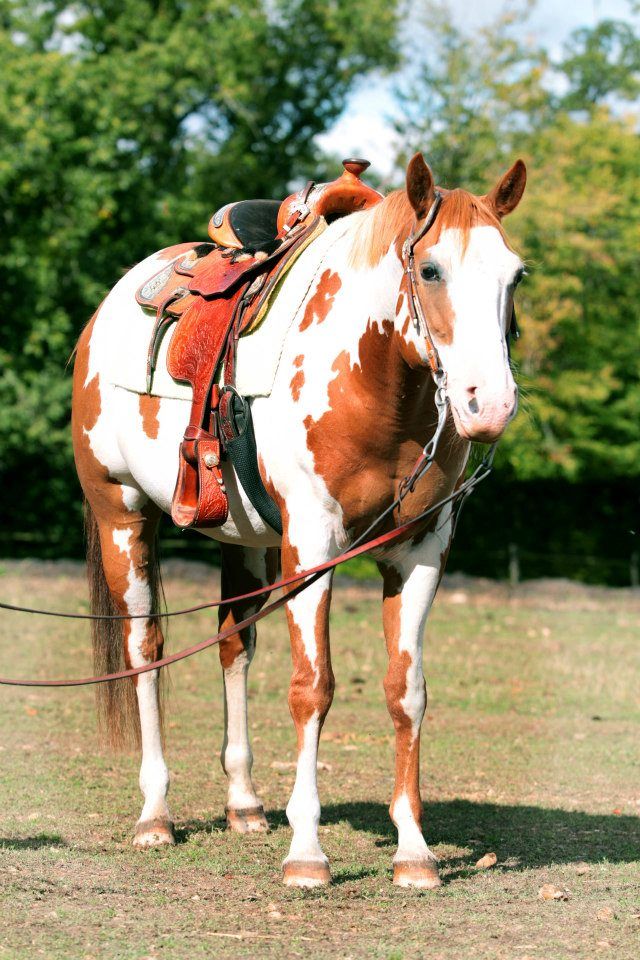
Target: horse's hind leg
[(243, 569), (128, 562)]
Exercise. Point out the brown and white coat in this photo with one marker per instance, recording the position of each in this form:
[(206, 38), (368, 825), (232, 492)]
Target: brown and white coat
[(351, 407)]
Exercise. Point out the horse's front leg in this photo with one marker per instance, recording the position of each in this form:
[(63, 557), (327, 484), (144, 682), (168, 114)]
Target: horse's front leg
[(310, 696), (410, 584), (243, 569)]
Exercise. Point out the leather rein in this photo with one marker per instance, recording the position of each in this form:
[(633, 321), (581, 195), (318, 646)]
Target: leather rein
[(300, 581)]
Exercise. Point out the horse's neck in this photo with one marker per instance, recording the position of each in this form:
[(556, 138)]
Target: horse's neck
[(361, 348)]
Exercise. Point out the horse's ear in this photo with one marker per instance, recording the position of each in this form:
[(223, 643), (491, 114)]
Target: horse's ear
[(420, 186), (507, 193)]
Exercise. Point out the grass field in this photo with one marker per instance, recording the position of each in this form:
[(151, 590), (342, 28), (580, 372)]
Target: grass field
[(530, 751)]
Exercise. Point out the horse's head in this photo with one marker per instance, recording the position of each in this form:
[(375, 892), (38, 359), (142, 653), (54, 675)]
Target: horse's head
[(465, 275)]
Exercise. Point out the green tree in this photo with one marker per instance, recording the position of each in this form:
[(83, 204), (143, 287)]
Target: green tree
[(578, 360), (600, 62), (476, 102), (467, 98), (123, 124)]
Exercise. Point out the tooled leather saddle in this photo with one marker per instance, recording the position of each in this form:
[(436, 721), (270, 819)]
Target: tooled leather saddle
[(214, 294)]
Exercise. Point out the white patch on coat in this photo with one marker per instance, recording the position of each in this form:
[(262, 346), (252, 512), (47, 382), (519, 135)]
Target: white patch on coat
[(121, 539), (119, 307), (236, 756), (303, 809), (411, 842)]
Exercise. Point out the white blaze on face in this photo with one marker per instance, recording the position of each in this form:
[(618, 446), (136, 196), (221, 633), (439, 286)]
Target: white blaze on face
[(480, 386)]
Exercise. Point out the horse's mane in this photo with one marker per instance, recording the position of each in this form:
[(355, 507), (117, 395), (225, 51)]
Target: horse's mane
[(391, 221)]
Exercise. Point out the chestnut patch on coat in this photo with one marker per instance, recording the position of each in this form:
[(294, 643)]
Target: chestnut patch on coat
[(321, 301), (297, 383), (312, 684), (149, 410), (85, 409), (438, 310), (381, 413), (237, 579)]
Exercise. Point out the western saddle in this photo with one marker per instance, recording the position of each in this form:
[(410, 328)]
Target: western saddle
[(214, 294)]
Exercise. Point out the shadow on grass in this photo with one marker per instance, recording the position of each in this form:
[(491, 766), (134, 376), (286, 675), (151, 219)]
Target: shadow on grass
[(32, 843), (523, 835), (190, 828), (349, 876)]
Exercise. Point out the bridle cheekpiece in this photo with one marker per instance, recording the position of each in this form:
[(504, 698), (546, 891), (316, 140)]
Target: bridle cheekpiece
[(415, 307)]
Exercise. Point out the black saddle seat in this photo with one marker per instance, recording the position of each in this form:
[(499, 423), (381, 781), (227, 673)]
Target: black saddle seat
[(255, 223)]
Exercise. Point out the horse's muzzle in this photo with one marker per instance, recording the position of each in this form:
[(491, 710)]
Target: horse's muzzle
[(481, 416)]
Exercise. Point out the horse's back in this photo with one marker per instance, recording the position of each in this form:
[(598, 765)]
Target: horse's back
[(122, 431)]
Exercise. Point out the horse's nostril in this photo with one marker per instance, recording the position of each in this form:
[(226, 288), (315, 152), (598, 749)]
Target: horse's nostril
[(473, 405)]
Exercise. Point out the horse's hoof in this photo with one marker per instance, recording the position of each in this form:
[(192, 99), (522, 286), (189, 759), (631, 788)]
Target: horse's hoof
[(306, 873), (247, 820), (421, 874), (154, 833)]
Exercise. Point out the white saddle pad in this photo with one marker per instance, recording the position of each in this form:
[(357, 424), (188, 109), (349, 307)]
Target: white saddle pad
[(258, 354)]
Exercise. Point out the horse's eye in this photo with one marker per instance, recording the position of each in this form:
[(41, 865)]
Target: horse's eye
[(429, 272), (518, 277)]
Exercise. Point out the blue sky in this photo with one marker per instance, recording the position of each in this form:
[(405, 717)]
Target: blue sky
[(364, 128)]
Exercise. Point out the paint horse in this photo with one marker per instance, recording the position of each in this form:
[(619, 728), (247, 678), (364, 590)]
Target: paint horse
[(351, 408)]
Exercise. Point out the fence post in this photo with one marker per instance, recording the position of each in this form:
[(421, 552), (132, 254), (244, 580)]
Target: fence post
[(514, 565), (634, 569)]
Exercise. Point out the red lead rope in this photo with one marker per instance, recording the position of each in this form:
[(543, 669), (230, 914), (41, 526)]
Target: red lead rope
[(301, 581), (313, 574)]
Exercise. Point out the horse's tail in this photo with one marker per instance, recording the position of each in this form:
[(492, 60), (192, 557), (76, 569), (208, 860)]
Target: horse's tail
[(116, 702)]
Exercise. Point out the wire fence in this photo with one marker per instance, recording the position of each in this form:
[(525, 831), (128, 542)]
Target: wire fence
[(510, 562)]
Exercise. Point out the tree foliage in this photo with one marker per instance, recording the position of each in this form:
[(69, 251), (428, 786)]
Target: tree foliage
[(474, 103), (123, 124)]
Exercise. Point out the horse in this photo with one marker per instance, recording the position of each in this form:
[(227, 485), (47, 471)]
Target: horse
[(352, 406)]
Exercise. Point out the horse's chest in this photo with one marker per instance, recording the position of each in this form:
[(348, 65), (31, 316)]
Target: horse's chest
[(364, 443)]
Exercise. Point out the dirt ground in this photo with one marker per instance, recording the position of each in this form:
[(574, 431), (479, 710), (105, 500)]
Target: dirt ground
[(530, 751)]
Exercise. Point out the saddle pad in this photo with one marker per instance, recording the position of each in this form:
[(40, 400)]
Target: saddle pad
[(258, 353)]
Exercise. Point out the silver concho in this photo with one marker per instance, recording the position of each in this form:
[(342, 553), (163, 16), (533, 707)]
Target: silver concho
[(156, 283)]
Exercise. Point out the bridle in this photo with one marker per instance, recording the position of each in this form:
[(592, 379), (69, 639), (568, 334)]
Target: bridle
[(300, 581)]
